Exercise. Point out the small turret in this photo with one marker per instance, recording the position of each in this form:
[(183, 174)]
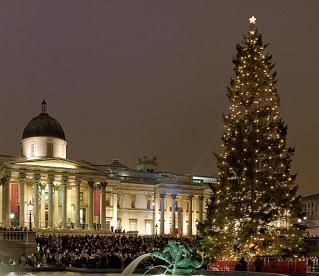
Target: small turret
[(147, 165)]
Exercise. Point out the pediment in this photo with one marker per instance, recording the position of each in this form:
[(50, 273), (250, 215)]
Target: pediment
[(56, 163)]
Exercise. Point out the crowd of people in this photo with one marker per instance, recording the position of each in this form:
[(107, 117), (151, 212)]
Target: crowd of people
[(98, 251)]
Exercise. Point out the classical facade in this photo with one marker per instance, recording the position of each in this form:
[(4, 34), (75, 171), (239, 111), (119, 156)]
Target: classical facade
[(67, 194), (310, 208)]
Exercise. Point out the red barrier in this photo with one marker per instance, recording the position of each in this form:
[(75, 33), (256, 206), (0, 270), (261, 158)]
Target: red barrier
[(273, 266)]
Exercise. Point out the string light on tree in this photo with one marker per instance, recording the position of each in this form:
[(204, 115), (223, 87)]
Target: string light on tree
[(255, 189)]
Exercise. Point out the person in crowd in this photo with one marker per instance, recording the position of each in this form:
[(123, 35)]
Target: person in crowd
[(258, 264), (243, 264), (98, 251)]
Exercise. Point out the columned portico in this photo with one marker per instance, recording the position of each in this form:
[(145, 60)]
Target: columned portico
[(90, 204), (22, 177), (36, 183), (58, 188), (162, 206), (50, 200), (78, 181)]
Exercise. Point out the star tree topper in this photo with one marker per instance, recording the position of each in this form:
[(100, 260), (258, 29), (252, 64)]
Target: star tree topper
[(252, 20)]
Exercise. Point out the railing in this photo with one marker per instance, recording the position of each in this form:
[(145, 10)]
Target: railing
[(289, 267), (22, 236)]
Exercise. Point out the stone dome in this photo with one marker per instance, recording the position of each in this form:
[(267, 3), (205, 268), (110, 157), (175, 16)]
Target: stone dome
[(43, 125)]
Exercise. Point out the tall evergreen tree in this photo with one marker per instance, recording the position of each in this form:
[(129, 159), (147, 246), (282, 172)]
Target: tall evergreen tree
[(253, 209)]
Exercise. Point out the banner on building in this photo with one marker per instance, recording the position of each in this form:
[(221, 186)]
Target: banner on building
[(96, 211), (14, 198)]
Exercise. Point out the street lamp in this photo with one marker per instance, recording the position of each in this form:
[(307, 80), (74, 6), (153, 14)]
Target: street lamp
[(11, 217), (30, 208), (196, 225)]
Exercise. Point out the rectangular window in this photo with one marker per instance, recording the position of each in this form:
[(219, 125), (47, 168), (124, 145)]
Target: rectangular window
[(108, 201), (119, 225), (148, 204), (133, 224), (133, 201), (49, 149), (63, 150), (108, 225), (32, 149)]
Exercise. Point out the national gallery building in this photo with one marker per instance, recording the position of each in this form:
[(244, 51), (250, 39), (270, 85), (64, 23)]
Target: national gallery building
[(66, 194)]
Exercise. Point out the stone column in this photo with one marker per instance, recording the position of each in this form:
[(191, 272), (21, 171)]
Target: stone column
[(42, 212), (173, 213), (6, 200), (90, 204), (162, 206), (190, 216), (114, 209), (78, 181), (22, 177), (155, 208), (103, 205), (36, 183), (64, 189), (180, 217), (200, 207), (56, 206), (50, 200)]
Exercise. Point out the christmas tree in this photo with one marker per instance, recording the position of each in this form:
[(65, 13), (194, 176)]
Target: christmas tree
[(253, 209)]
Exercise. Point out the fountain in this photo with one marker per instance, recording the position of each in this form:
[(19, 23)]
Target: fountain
[(131, 267), (179, 259)]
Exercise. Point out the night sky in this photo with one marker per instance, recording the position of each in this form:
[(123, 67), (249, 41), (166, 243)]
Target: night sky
[(133, 78)]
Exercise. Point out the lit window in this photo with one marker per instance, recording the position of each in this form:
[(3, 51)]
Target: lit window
[(133, 224)]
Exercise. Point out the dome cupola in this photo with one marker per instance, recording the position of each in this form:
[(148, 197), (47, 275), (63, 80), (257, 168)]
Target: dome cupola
[(43, 136), (43, 125)]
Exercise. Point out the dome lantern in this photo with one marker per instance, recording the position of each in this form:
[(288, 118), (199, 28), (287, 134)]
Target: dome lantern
[(44, 106)]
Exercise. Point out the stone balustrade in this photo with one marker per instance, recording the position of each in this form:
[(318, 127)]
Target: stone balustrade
[(21, 236)]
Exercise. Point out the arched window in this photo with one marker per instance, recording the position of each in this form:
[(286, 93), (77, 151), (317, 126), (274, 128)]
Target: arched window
[(32, 150), (49, 149)]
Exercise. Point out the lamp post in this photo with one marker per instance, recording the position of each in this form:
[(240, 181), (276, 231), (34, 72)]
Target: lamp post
[(30, 208), (11, 217), (196, 225)]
